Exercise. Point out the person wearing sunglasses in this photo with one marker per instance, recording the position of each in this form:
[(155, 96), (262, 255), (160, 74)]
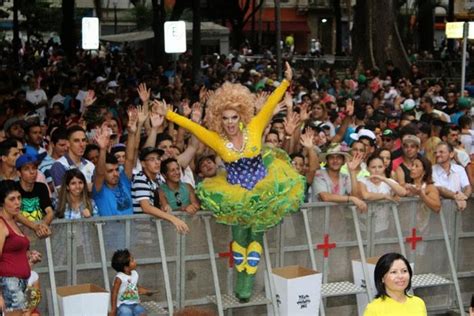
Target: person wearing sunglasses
[(175, 194)]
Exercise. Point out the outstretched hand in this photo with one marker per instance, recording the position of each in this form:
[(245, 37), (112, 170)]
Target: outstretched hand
[(102, 137), (144, 93), (90, 98), (355, 161)]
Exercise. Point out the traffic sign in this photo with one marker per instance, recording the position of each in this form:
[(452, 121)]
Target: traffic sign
[(175, 37), (455, 30), (90, 33)]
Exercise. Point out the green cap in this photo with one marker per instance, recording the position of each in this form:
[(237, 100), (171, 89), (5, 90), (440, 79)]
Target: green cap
[(362, 79), (464, 103)]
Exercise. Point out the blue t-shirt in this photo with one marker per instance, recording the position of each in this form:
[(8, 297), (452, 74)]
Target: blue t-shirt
[(114, 201)]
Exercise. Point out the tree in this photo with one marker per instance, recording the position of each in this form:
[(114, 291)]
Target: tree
[(237, 12), (68, 30), (159, 33), (425, 24), (375, 34), (337, 16)]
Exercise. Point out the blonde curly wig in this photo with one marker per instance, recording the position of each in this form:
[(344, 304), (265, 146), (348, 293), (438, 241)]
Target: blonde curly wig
[(229, 96)]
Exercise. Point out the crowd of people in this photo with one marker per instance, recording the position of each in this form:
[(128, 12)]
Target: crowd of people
[(101, 136)]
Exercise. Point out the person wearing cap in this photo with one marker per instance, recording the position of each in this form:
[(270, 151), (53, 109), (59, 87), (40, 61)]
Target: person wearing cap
[(450, 178), (367, 138), (35, 202), (464, 108), (330, 185), (402, 165), (389, 138), (145, 189), (427, 106), (119, 151), (13, 128), (73, 158)]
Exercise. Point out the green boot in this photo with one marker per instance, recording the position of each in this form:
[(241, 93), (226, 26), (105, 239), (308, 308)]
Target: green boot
[(247, 287), (239, 283)]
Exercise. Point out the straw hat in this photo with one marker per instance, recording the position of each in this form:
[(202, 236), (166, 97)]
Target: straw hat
[(335, 149)]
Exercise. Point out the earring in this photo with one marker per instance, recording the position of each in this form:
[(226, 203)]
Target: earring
[(241, 126)]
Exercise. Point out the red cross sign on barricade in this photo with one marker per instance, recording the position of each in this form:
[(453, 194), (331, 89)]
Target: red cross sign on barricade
[(326, 246), (413, 239), (228, 255)]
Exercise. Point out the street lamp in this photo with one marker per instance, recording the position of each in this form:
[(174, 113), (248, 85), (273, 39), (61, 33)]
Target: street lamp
[(115, 3)]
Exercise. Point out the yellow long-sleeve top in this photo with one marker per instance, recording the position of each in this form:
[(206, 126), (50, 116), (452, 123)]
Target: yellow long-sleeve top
[(255, 129)]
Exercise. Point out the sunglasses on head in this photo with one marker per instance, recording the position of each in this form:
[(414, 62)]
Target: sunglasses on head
[(177, 196)]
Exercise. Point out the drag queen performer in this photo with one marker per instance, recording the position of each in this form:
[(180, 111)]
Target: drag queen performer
[(259, 186)]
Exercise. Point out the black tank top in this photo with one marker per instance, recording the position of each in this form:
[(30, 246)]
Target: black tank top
[(406, 172)]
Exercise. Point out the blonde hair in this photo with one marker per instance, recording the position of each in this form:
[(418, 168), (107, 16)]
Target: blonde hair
[(430, 148), (229, 96)]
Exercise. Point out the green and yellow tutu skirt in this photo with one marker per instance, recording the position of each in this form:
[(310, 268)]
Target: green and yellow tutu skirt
[(280, 192)]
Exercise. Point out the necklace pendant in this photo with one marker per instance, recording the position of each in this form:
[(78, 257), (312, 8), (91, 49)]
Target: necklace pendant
[(229, 145)]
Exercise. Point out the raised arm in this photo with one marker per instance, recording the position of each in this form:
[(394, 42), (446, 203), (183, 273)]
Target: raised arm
[(209, 138), (265, 115)]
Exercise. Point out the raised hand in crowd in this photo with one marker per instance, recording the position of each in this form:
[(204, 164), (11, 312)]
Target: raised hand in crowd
[(186, 108), (132, 120), (142, 114), (304, 112), (102, 137), (156, 120), (196, 112), (291, 123), (261, 99), (90, 98), (144, 93), (306, 139)]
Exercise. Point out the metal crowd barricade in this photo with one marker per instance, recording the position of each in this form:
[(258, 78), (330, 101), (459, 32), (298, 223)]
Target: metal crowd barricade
[(195, 269), (421, 225)]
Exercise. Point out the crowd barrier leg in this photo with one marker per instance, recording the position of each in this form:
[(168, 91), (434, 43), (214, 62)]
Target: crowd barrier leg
[(69, 266), (452, 264), (215, 277), (398, 227), (164, 264), (73, 253), (370, 232), (103, 259), (52, 277), (311, 252), (360, 244), (269, 273), (181, 271)]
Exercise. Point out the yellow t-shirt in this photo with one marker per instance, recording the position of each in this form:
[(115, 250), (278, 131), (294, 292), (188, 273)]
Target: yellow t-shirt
[(413, 306)]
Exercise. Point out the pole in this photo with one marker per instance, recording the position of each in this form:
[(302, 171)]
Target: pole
[(464, 48), (278, 37), (196, 61), (115, 18)]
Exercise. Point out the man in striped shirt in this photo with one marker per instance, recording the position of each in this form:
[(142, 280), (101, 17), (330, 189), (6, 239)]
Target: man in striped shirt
[(145, 185)]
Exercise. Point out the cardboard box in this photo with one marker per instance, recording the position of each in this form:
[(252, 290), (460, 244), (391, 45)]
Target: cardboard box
[(359, 279), (83, 300), (298, 290)]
